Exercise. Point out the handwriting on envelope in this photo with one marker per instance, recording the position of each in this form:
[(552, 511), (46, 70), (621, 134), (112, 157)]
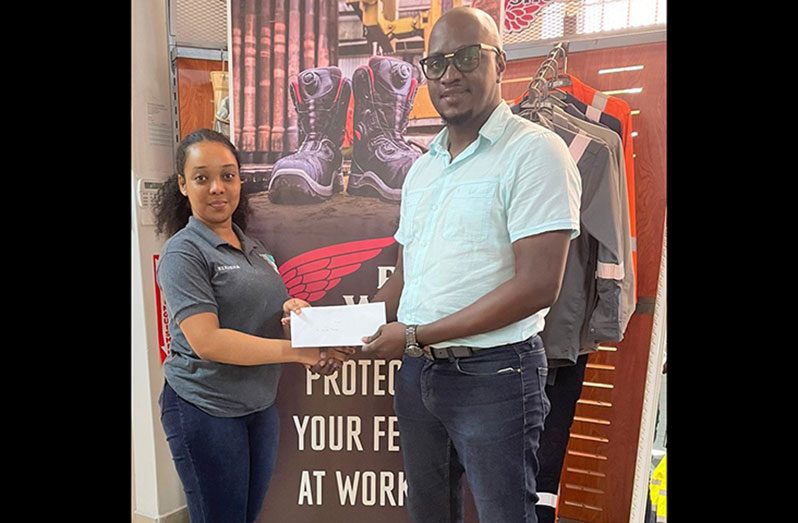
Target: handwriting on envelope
[(336, 325)]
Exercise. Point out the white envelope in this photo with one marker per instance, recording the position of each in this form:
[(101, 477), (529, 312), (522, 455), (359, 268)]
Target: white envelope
[(336, 325)]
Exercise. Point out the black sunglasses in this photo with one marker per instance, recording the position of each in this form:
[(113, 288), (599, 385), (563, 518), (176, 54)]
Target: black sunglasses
[(465, 59)]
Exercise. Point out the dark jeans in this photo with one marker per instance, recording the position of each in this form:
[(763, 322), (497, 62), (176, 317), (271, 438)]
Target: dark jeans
[(481, 415), (225, 464)]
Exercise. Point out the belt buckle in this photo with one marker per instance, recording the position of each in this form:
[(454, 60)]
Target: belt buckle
[(427, 352), (469, 351)]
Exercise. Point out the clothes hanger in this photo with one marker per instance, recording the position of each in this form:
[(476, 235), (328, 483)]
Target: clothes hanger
[(548, 65), (541, 91), (552, 96), (560, 79)]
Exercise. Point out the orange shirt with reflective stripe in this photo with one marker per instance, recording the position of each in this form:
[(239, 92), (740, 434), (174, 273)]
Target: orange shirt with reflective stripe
[(618, 108)]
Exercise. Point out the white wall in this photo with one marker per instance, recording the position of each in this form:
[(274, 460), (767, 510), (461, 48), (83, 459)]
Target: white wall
[(156, 488)]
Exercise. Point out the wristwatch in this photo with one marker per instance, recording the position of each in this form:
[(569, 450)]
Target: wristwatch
[(411, 344)]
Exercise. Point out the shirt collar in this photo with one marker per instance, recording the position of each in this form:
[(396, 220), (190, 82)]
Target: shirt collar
[(211, 237), (491, 130)]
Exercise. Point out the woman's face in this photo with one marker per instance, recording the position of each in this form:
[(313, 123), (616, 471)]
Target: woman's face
[(211, 182)]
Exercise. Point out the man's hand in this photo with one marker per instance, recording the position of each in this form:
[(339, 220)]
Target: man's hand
[(388, 342), (330, 360)]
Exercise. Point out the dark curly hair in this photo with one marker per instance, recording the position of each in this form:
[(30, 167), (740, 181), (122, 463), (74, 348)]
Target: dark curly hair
[(172, 210)]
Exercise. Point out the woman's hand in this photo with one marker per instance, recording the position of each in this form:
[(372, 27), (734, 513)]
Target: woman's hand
[(294, 305), (326, 360)]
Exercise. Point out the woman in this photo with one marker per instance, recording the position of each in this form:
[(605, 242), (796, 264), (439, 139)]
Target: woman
[(225, 300)]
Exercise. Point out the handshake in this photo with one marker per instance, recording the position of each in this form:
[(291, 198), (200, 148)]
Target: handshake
[(324, 361)]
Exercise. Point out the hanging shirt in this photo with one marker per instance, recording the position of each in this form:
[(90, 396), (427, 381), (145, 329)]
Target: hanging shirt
[(618, 108), (595, 115), (588, 309), (613, 141)]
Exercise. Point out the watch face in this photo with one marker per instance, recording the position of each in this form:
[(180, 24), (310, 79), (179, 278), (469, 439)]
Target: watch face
[(414, 350)]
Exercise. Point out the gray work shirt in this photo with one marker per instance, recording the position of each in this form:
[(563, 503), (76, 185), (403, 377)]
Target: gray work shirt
[(588, 308), (613, 141), (199, 272)]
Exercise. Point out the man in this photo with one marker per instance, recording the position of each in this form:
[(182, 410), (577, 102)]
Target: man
[(485, 222)]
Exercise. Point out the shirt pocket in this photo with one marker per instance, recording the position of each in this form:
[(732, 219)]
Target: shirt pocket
[(412, 216), (468, 213)]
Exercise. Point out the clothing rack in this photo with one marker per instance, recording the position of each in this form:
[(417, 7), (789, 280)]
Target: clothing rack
[(541, 82)]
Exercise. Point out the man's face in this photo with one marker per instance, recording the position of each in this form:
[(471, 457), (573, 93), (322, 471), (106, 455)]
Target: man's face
[(457, 96)]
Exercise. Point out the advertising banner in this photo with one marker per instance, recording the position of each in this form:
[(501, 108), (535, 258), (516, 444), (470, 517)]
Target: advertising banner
[(329, 110)]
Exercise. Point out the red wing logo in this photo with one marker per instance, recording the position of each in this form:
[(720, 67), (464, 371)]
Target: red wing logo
[(519, 14), (311, 274)]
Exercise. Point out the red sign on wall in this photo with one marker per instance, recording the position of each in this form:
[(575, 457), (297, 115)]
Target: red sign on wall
[(164, 339), (519, 14)]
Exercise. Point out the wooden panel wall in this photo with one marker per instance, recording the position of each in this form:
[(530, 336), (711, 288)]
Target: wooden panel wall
[(596, 484), (195, 93)]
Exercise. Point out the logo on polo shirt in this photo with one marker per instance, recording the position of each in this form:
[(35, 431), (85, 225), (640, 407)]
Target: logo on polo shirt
[(221, 268), (270, 260)]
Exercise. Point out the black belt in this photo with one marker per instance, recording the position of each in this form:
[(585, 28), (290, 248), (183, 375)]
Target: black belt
[(448, 353)]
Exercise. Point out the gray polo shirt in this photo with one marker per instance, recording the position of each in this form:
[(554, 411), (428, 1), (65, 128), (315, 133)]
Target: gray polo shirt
[(200, 272)]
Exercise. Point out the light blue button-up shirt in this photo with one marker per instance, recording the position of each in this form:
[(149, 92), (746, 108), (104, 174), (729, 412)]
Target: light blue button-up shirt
[(459, 219)]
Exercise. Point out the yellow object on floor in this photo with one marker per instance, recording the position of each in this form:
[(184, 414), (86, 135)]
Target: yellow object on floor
[(658, 489)]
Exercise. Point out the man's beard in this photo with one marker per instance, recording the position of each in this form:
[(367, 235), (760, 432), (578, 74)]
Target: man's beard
[(458, 119)]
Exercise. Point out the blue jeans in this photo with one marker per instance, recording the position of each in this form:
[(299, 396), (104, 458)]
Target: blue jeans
[(482, 415), (225, 464)]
